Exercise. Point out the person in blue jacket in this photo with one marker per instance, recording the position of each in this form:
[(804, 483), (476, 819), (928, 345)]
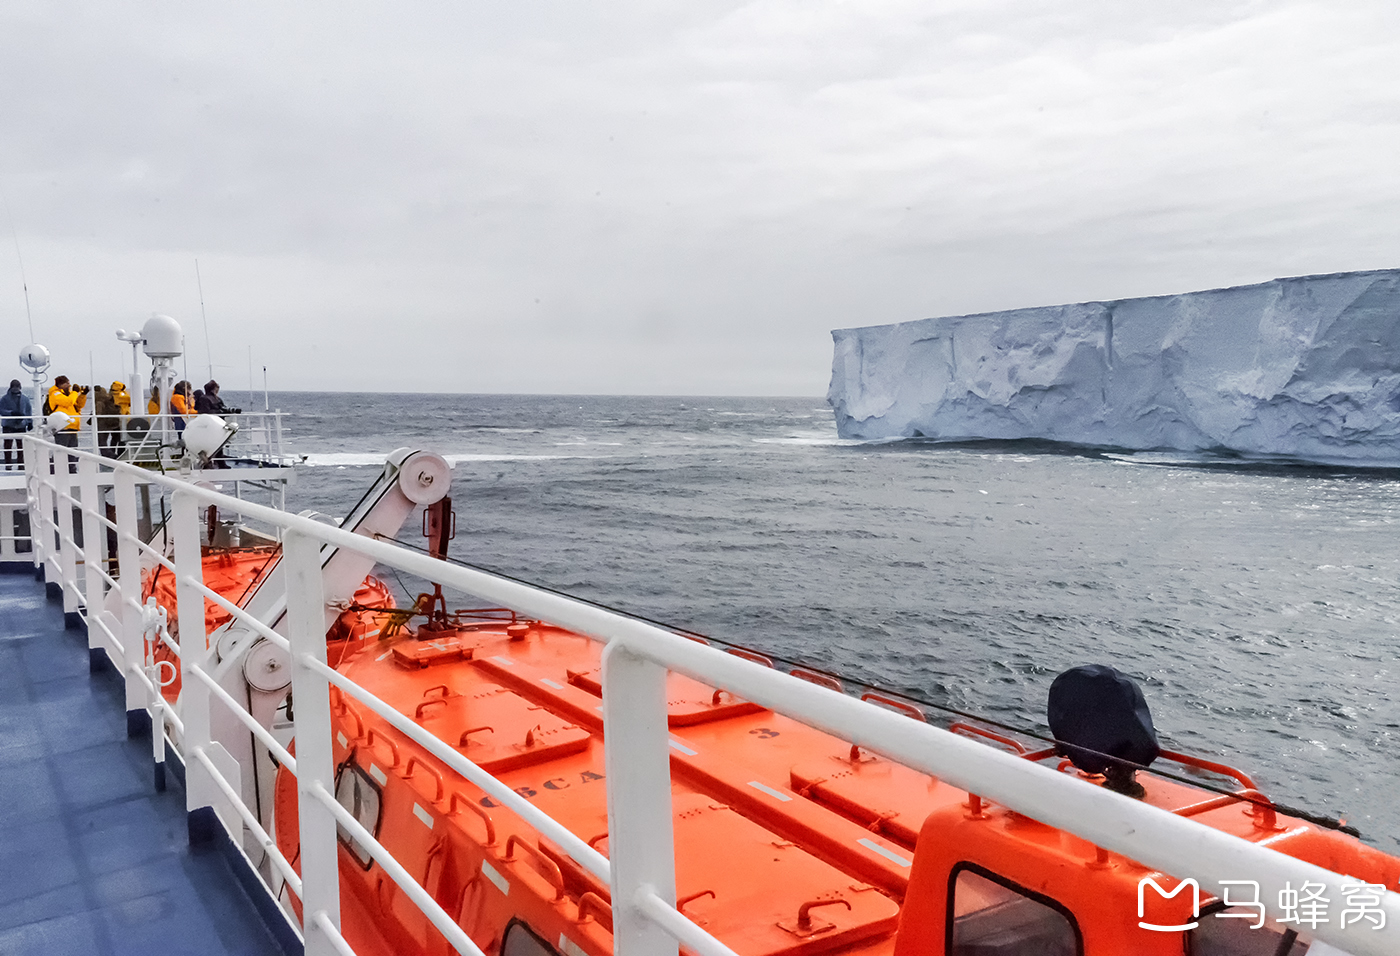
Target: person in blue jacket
[(16, 418)]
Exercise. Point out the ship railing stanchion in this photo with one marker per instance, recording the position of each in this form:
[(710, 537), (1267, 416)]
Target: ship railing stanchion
[(48, 526), (31, 485), (195, 651), (53, 571), (41, 523), (67, 544), (129, 580), (306, 623), (94, 559), (637, 755)]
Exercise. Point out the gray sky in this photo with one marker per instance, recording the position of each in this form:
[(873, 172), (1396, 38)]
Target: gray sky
[(648, 198)]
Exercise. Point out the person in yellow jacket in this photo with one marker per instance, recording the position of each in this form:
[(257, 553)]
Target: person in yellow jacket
[(118, 406), (181, 405), (63, 397), (153, 406), (122, 397)]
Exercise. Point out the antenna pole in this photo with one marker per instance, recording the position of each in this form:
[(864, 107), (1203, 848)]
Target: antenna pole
[(92, 405), (208, 349), (24, 282), (267, 406)]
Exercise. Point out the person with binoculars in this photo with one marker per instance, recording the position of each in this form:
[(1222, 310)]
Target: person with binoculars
[(69, 399), (207, 401)]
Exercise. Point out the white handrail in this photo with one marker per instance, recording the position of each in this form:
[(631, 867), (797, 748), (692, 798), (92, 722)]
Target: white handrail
[(266, 842), (1154, 837), (241, 615), (587, 857), (677, 925), (332, 932), (460, 940), (248, 720)]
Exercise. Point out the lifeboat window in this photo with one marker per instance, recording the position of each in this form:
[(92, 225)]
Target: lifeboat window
[(1233, 935), (521, 940), (990, 916), (356, 792)]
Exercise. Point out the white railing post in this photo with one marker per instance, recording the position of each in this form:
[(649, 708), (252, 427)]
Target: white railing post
[(42, 525), (637, 755), (53, 567), (129, 578), (31, 484), (195, 650), (94, 556), (306, 630), (67, 553)]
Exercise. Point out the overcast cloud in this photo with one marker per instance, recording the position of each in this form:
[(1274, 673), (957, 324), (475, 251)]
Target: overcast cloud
[(574, 197)]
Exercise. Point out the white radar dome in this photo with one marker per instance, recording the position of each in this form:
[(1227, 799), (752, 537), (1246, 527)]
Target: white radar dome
[(207, 434), (164, 338), (57, 421), (34, 357)]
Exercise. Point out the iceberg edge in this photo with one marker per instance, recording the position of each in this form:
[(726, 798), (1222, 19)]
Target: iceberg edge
[(1305, 367)]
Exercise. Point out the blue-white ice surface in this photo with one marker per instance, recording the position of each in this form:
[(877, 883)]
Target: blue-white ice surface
[(1306, 367)]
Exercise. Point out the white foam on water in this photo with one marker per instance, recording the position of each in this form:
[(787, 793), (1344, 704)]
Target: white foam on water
[(824, 439), (328, 459)]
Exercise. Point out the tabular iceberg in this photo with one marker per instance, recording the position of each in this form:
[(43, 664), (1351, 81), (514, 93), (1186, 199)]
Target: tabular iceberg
[(1307, 367)]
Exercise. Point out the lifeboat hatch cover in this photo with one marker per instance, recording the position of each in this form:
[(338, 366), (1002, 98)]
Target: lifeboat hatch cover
[(688, 702), (438, 650), (761, 884), (882, 796), (499, 730)]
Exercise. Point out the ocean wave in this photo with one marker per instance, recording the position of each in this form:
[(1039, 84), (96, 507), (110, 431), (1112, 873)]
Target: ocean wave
[(353, 458)]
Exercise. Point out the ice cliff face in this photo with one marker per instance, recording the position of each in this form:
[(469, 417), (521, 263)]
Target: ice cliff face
[(1307, 367)]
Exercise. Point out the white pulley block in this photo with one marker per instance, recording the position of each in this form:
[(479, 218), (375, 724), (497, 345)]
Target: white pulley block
[(424, 478), (266, 667)]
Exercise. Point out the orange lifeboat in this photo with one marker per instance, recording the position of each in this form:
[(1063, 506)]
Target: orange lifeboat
[(788, 841)]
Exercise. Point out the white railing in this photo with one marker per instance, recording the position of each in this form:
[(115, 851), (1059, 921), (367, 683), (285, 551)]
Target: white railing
[(261, 436), (15, 544), (640, 869)]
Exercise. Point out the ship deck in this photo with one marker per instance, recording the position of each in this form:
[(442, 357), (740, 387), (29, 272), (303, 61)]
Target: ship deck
[(96, 860)]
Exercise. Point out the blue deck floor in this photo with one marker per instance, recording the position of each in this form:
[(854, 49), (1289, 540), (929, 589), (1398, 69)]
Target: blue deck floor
[(93, 860)]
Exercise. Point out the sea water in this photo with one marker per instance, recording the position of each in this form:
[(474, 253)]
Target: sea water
[(1259, 607)]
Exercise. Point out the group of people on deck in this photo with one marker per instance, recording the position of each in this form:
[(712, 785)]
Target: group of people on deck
[(184, 405), (110, 404)]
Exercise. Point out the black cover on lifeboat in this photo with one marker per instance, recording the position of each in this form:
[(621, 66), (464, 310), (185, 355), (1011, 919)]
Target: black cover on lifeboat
[(1094, 711)]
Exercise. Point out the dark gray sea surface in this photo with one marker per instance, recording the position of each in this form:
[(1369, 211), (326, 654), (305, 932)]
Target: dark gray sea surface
[(1258, 605)]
